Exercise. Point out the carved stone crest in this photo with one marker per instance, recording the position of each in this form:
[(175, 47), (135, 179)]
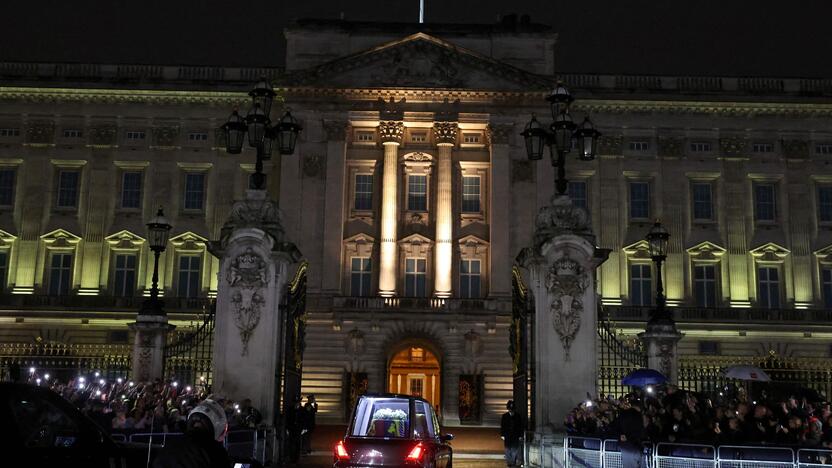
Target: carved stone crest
[(257, 212), (313, 165), (103, 135), (733, 145), (566, 283), (500, 133), (610, 144), (165, 136), (666, 358), (247, 275), (40, 132), (336, 130), (795, 149), (562, 217), (671, 146)]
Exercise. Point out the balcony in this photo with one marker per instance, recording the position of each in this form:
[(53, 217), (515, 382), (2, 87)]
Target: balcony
[(726, 315), (14, 303), (433, 304)]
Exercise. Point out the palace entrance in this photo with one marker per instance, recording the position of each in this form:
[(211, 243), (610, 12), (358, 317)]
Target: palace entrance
[(415, 371)]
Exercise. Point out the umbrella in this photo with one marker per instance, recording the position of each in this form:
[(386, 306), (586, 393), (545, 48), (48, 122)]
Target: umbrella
[(753, 373), (644, 377)]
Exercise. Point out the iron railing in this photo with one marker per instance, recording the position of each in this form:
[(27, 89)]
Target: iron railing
[(188, 354), (616, 357), (726, 315), (64, 361), (73, 302)]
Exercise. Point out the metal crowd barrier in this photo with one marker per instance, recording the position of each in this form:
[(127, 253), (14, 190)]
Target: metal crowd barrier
[(243, 443), (597, 453)]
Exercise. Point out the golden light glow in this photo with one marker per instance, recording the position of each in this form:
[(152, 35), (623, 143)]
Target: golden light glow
[(444, 223), (389, 213)]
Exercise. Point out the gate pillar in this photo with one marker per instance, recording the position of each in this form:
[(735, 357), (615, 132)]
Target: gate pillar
[(561, 264), (151, 333), (255, 260)]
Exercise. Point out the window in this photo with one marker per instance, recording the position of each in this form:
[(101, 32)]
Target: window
[(768, 281), (135, 135), (639, 200), (189, 276), (197, 136), (72, 133), (60, 274), (414, 277), (577, 192), (471, 138), (68, 189), (764, 204), (641, 287), (194, 191), (365, 136), (363, 192), (125, 275), (709, 348), (704, 285), (700, 147), (824, 203), (9, 132), (7, 187), (419, 137), (4, 269), (826, 280), (361, 273), (469, 278), (762, 148), (417, 193), (639, 146), (702, 201), (471, 194), (252, 185), (417, 384), (823, 148), (131, 190)]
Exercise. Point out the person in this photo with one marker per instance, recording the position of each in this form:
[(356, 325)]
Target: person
[(631, 434), (202, 445), (309, 411), (511, 431), (294, 427)]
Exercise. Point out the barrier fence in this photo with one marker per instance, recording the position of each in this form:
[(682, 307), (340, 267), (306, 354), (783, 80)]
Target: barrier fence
[(597, 453), (241, 443)]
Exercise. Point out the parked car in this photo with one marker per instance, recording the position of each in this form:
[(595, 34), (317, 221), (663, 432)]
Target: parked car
[(393, 430)]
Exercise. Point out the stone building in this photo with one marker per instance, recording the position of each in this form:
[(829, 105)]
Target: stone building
[(410, 195)]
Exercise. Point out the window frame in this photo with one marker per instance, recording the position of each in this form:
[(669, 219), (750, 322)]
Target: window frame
[(414, 276), (468, 278), (5, 266), (355, 191), (478, 194), (68, 270), (365, 276), (638, 146), (118, 291), (762, 147), (12, 186), (642, 266), (139, 190), (823, 149), (767, 304), (820, 204), (185, 191), (409, 193), (59, 188), (648, 200), (190, 271), (757, 185), (713, 283), (699, 147), (826, 285), (585, 198), (710, 205)]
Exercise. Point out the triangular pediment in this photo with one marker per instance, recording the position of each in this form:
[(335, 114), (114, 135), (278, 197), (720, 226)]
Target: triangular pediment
[(124, 239), (638, 249), (770, 252), (360, 238), (706, 251), (825, 254), (189, 241), (60, 238), (418, 61), (416, 238), (6, 238)]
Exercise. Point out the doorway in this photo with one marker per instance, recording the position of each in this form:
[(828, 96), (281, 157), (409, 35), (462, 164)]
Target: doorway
[(415, 371)]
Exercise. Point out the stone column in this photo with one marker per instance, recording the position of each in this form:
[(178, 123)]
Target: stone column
[(661, 339), (445, 134), (333, 233), (562, 263), (500, 193), (255, 260), (151, 332), (391, 137)]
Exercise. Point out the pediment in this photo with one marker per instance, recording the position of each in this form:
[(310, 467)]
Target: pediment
[(706, 251), (415, 239), (770, 252), (360, 238), (189, 241), (418, 61), (6, 238), (60, 238), (824, 255), (639, 250), (124, 239), (472, 245)]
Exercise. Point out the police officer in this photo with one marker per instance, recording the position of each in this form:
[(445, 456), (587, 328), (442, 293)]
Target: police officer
[(202, 445)]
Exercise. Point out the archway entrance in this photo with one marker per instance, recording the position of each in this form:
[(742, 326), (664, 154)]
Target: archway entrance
[(415, 371)]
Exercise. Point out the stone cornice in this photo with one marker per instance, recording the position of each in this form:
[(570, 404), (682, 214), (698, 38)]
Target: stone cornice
[(122, 96)]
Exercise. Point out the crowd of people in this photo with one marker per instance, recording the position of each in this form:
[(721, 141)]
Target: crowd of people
[(668, 414)]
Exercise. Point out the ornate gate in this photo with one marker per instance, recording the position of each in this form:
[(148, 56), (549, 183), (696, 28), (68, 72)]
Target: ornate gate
[(188, 354), (520, 349), (294, 342), (616, 358)]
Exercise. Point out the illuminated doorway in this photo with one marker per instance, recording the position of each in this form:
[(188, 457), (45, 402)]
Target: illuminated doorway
[(415, 371)]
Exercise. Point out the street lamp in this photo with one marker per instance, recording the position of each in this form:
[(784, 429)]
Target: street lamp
[(657, 240), (261, 133), (560, 135), (158, 230)]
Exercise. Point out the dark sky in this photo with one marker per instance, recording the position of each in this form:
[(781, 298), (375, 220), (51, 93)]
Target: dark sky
[(696, 37)]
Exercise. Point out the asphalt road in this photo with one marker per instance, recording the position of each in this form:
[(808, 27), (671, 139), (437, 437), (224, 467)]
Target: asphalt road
[(460, 462)]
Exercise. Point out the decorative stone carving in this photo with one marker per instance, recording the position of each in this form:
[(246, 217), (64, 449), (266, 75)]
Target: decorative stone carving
[(247, 275), (666, 356), (390, 110), (355, 342), (103, 135), (40, 132), (313, 165), (566, 283), (473, 344), (165, 136), (336, 130), (418, 156), (219, 138), (671, 146), (391, 131), (562, 217), (521, 170), (420, 64), (500, 134), (252, 212), (610, 144), (733, 146), (795, 149), (445, 132)]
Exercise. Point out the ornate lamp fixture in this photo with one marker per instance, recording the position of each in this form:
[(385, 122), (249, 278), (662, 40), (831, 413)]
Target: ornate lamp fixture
[(261, 134), (158, 231), (657, 240)]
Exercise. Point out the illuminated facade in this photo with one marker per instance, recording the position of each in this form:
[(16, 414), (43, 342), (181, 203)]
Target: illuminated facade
[(410, 206)]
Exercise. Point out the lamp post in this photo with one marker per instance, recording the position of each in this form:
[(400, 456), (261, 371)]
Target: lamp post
[(558, 137), (158, 230), (657, 240), (262, 135)]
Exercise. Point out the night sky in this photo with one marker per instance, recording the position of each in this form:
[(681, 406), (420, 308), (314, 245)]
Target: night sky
[(695, 37)]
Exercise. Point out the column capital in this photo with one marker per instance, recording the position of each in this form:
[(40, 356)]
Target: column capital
[(445, 132), (391, 131)]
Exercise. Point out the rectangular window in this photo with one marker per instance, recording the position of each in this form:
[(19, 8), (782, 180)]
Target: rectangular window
[(700, 147), (365, 136), (68, 189), (826, 280), (704, 285), (72, 133), (639, 200), (471, 138), (197, 136), (417, 193), (125, 275), (361, 276), (4, 269), (709, 348), (823, 148), (419, 137), (415, 272), (577, 192), (762, 148), (768, 282), (363, 192), (194, 191), (469, 278), (131, 190), (640, 146), (764, 202), (189, 273), (641, 285), (703, 203), (7, 187), (9, 132), (135, 135), (824, 203), (470, 194), (60, 274)]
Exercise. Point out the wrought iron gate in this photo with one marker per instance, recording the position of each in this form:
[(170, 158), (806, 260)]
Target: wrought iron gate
[(291, 352), (520, 349), (616, 358), (188, 354)]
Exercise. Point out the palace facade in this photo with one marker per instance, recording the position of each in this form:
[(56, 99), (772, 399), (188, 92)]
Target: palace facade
[(410, 194)]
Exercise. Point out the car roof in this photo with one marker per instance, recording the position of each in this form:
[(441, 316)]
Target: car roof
[(393, 395)]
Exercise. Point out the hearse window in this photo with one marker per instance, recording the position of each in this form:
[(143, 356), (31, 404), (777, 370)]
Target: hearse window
[(423, 422), (382, 417)]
